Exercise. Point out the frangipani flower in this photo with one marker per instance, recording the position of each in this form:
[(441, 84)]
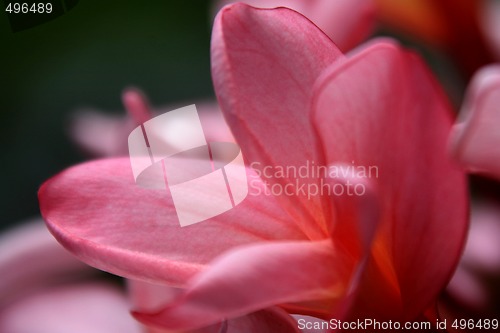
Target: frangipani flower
[(289, 96)]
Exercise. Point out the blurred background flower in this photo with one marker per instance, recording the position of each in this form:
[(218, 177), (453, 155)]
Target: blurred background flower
[(45, 290)]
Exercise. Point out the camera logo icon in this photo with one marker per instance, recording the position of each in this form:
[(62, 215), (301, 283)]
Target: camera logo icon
[(204, 179)]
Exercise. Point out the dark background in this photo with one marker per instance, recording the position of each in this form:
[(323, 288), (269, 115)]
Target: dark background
[(85, 58)]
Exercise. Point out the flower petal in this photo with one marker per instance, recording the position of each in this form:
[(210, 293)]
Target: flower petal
[(469, 291), (148, 297), (264, 63), (271, 320), (382, 110), (255, 277), (482, 252), (100, 134), (474, 140), (105, 135), (97, 212), (346, 22)]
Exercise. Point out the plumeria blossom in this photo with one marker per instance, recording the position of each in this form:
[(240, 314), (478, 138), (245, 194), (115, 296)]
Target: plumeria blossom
[(290, 97), (45, 290)]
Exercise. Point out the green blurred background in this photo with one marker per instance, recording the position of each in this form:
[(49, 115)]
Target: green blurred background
[(85, 58)]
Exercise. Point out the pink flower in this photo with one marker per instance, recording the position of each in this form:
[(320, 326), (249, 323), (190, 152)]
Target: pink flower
[(45, 290), (290, 97)]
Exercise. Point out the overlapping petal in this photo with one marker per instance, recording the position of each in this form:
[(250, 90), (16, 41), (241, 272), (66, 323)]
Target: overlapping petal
[(113, 224), (264, 63), (382, 109), (475, 138), (148, 297), (256, 277)]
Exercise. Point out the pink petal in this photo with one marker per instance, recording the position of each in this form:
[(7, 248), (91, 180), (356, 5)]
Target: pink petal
[(466, 288), (99, 214), (482, 251), (475, 139), (469, 287), (81, 308), (137, 105), (148, 297), (264, 63), (255, 277), (382, 108), (99, 134), (30, 260), (271, 320), (357, 219), (213, 122), (346, 22)]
